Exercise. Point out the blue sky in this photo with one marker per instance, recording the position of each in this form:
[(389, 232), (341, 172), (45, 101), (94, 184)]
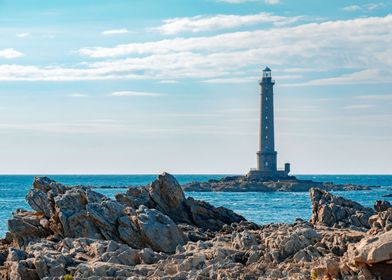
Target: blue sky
[(146, 86)]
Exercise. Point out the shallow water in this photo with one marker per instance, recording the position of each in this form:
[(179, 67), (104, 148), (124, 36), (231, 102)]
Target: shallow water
[(258, 207)]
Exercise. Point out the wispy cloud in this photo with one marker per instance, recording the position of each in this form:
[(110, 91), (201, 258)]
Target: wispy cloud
[(115, 31), (361, 43), (135, 94), (23, 35), (352, 8), (216, 22), (366, 7), (272, 2), (241, 80), (168, 82), (376, 97), (10, 53), (359, 106), (367, 76), (193, 115)]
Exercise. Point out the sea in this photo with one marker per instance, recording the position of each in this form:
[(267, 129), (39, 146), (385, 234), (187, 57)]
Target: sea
[(261, 208)]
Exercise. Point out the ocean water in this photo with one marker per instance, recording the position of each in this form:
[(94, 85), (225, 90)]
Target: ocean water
[(261, 208)]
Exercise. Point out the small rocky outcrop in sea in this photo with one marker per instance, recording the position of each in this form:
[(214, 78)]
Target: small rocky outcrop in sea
[(75, 233), (334, 211), (248, 184)]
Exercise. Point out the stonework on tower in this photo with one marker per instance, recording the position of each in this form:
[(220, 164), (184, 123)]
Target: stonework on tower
[(267, 156)]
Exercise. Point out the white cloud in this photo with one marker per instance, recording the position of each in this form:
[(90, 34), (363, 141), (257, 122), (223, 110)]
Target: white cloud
[(135, 93), (23, 35), (10, 53), (240, 80), (366, 7), (374, 6), (115, 31), (168, 82), (324, 39), (367, 76), (359, 46), (207, 23), (352, 8), (193, 115), (359, 106), (272, 2), (376, 97)]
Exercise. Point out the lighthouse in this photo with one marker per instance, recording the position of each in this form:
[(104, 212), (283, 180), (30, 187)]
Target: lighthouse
[(266, 155)]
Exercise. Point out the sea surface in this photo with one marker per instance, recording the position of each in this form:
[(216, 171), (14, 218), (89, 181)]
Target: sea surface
[(261, 208)]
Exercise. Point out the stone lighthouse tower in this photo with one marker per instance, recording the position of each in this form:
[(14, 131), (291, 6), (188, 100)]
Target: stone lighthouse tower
[(267, 156)]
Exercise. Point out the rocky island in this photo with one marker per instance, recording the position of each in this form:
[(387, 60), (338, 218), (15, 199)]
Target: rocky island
[(155, 232), (249, 184)]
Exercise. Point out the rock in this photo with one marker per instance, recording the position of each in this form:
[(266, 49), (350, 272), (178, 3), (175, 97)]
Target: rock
[(250, 184), (381, 205), (381, 222), (165, 194), (373, 249), (25, 227), (333, 211), (206, 216), (158, 230), (155, 232), (38, 200), (134, 197)]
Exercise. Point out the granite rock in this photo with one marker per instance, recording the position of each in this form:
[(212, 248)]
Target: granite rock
[(334, 211)]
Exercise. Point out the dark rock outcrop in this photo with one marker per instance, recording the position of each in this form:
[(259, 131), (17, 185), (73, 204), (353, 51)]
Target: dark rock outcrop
[(247, 184), (381, 205), (334, 211)]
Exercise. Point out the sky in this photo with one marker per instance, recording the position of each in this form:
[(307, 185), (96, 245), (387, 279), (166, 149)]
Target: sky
[(146, 86)]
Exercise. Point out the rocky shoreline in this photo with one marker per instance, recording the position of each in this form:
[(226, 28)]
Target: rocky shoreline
[(248, 184), (155, 232)]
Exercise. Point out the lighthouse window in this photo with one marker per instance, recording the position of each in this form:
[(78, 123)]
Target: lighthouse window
[(266, 137), (266, 117), (266, 99), (266, 127), (266, 163)]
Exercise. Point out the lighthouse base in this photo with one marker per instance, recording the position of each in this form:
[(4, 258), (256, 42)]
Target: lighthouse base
[(268, 175)]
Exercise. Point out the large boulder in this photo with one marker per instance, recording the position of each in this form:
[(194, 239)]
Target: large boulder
[(334, 211), (373, 249), (166, 195), (158, 230)]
